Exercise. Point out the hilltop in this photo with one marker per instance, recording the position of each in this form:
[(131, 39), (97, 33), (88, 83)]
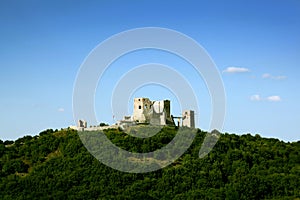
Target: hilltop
[(56, 165)]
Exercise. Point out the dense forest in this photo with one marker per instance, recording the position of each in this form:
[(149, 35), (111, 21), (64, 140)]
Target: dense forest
[(56, 165)]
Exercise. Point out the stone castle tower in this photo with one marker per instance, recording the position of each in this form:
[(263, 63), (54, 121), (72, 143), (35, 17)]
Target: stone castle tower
[(152, 112), (188, 118)]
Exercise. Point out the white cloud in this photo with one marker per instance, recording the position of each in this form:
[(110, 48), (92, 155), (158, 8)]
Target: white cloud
[(236, 70), (279, 77), (255, 97), (274, 98), (61, 110), (266, 76)]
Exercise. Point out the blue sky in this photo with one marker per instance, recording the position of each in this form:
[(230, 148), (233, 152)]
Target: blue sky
[(255, 45)]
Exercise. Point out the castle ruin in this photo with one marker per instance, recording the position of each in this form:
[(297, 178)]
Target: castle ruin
[(152, 112), (149, 112)]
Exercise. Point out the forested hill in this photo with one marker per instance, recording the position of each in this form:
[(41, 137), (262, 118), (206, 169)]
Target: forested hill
[(55, 165)]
